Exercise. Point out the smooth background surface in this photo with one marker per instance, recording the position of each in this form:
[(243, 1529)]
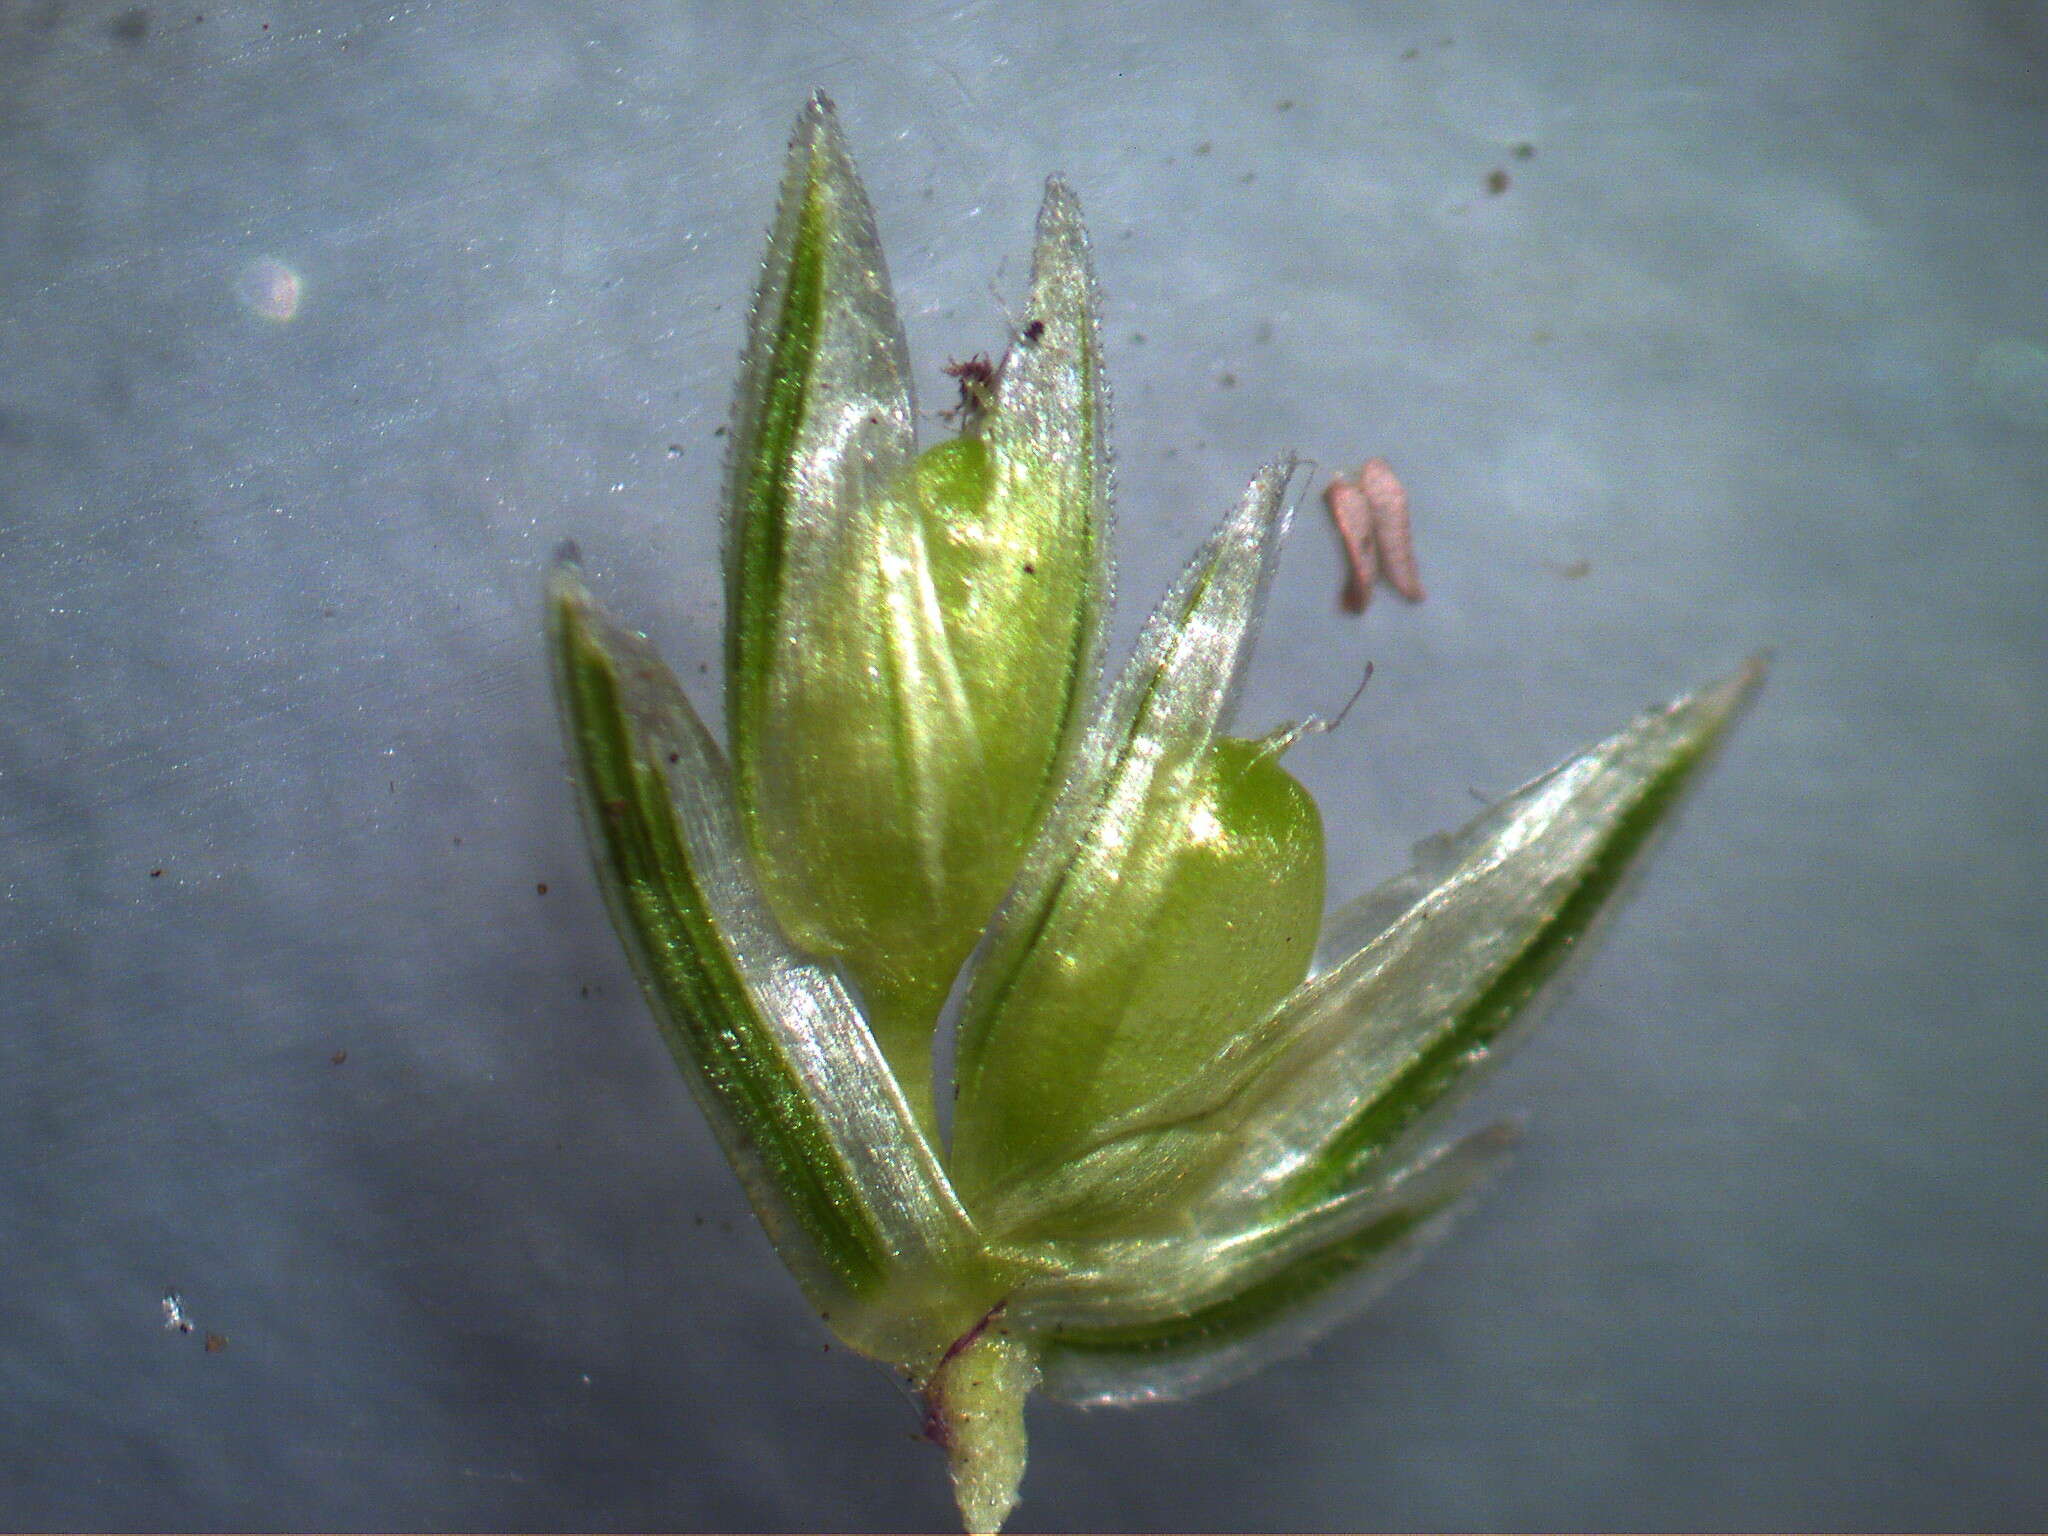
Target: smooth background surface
[(1758, 333)]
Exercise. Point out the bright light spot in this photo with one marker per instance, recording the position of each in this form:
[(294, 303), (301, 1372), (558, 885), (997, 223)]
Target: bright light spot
[(1203, 827), (270, 289)]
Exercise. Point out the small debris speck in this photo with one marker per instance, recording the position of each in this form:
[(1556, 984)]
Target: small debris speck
[(541, 889), (1496, 181), (1204, 147), (1226, 381), (1525, 150), (216, 1342), (337, 1059), (131, 26), (156, 874), (675, 450)]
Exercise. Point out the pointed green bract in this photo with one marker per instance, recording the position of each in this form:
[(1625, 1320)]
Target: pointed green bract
[(1176, 857), (1464, 943), (909, 643), (1198, 1349), (837, 1169), (1080, 1287)]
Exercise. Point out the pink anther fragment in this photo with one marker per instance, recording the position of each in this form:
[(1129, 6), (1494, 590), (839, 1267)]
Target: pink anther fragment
[(1352, 513), (1371, 514), (1388, 501)]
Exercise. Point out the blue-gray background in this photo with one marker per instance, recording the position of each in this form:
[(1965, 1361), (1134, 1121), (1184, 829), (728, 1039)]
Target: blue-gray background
[(1759, 333)]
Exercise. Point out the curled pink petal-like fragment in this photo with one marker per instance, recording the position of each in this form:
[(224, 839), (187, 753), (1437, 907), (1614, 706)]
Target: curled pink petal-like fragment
[(1388, 501), (1352, 513)]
